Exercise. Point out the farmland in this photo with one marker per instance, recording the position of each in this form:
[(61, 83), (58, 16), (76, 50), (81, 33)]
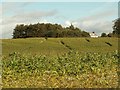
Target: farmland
[(60, 62), (53, 46)]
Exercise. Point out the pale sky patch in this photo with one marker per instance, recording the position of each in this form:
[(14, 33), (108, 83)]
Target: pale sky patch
[(60, 1)]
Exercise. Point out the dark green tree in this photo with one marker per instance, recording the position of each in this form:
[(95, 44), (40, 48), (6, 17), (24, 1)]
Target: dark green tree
[(110, 35), (47, 30), (116, 27), (103, 35), (71, 27)]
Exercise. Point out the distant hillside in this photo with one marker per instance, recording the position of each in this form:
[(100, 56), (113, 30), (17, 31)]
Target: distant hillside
[(47, 30)]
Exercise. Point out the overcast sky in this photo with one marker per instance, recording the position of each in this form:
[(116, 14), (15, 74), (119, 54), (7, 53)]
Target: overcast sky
[(88, 16)]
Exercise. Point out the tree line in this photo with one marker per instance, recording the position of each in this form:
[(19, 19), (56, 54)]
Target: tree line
[(56, 30), (47, 30)]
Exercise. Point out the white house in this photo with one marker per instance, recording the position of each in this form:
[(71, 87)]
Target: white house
[(93, 35)]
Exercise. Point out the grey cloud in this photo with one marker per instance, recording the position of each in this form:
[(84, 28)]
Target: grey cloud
[(98, 27), (98, 22), (103, 15), (14, 6), (26, 16), (99, 16), (7, 34), (7, 31)]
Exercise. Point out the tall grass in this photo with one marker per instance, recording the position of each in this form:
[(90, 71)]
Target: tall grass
[(89, 70)]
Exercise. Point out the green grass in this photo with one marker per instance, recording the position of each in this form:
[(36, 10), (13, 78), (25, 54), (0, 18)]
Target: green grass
[(33, 46), (95, 44), (36, 62), (52, 46)]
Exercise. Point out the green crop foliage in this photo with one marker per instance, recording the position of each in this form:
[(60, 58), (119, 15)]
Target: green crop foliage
[(60, 63), (69, 70)]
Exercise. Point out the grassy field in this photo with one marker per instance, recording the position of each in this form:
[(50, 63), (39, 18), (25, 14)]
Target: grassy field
[(60, 62), (53, 46)]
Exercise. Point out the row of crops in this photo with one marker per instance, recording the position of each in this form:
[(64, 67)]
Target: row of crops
[(73, 69)]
